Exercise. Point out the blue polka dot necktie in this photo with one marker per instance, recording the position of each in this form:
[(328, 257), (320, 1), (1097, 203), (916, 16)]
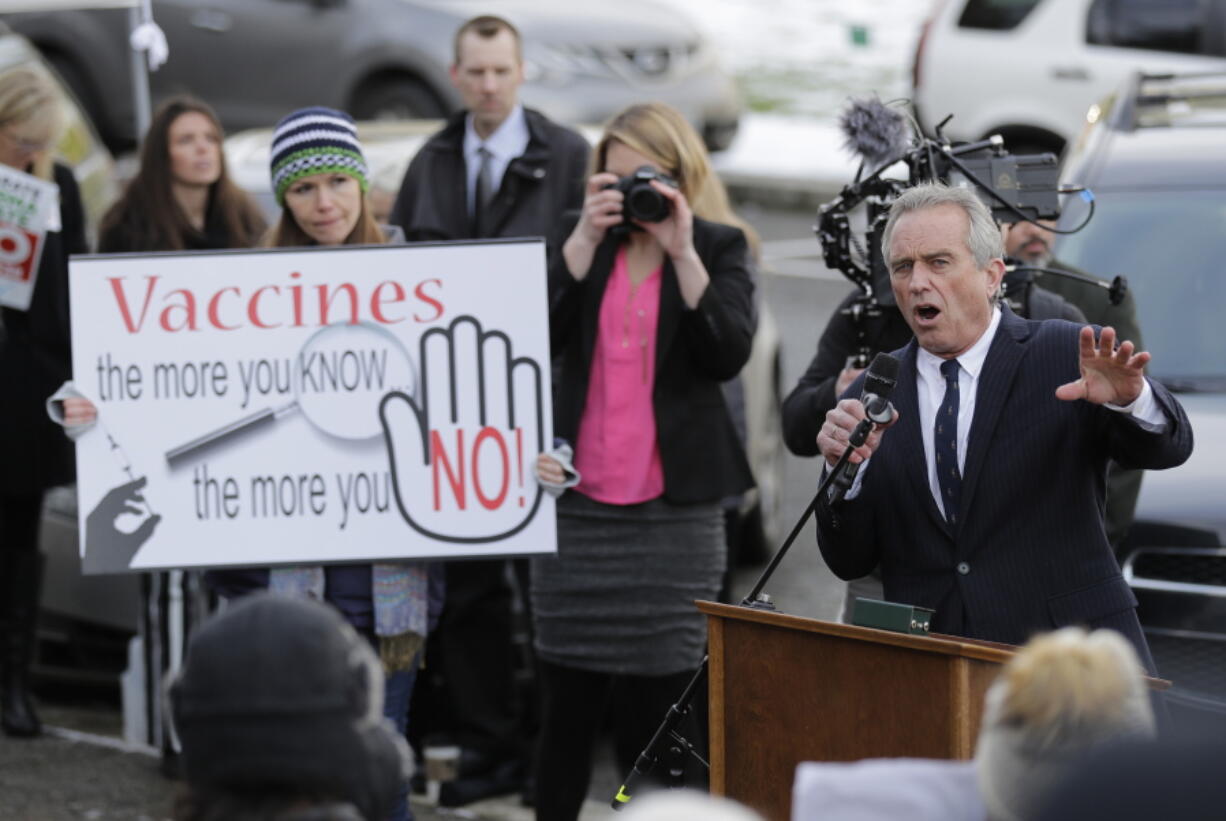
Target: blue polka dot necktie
[(945, 443)]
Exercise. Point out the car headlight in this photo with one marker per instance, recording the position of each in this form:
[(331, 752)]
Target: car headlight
[(559, 63)]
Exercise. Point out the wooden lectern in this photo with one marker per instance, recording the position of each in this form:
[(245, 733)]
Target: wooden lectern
[(786, 689)]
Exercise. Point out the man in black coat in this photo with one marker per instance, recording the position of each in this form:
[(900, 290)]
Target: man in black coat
[(829, 373), (496, 169), (984, 501), (536, 167)]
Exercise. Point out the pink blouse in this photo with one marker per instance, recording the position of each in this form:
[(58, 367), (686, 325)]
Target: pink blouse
[(617, 455)]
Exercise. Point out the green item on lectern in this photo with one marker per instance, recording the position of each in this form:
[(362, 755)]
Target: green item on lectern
[(887, 615)]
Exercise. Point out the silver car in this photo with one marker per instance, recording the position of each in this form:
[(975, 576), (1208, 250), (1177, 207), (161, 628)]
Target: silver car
[(256, 60), (1152, 153)]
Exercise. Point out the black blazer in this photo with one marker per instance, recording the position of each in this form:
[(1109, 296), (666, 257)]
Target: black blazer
[(695, 350), (1029, 552)]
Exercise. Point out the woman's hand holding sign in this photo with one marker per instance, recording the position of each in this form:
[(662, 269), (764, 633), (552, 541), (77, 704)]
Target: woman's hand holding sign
[(461, 451)]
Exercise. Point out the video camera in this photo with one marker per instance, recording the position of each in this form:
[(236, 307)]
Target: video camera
[(850, 227), (1014, 187)]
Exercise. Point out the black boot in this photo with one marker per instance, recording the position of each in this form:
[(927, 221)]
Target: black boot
[(21, 589)]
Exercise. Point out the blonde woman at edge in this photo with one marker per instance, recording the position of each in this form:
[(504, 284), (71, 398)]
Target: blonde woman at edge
[(35, 358)]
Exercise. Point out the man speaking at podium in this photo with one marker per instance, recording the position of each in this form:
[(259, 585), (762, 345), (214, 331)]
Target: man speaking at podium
[(983, 500)]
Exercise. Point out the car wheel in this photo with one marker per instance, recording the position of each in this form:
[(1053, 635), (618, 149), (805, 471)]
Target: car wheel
[(718, 135), (397, 98)]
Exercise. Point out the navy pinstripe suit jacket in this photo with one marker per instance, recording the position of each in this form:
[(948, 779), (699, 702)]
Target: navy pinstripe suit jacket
[(1029, 552)]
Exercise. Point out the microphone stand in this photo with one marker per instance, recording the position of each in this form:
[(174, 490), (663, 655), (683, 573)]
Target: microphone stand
[(858, 437), (650, 755)]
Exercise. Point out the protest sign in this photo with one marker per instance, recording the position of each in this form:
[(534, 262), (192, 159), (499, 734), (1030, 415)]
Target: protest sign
[(306, 406), (29, 207)]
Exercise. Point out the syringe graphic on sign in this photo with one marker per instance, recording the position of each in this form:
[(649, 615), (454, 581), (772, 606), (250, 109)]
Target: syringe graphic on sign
[(462, 451), (336, 382), (121, 522)]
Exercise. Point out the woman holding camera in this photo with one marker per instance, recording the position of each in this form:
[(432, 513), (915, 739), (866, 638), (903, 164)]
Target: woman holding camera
[(651, 308)]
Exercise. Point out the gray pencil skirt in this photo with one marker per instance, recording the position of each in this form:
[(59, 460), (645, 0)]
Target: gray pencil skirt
[(619, 595)]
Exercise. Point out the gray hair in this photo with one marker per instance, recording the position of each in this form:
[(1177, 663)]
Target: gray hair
[(983, 237), (1063, 695), (687, 805)]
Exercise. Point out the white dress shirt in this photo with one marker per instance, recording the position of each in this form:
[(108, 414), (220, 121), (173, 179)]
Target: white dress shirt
[(508, 141)]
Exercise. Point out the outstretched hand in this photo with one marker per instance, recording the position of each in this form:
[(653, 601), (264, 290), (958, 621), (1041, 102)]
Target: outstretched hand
[(1108, 374)]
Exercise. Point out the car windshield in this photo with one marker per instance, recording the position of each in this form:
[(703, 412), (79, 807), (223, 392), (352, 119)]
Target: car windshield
[(1170, 245)]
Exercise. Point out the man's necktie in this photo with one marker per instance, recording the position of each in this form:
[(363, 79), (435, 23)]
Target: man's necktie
[(484, 193), (945, 443)]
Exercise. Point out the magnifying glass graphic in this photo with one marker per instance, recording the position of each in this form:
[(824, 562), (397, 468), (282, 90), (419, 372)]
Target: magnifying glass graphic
[(336, 379)]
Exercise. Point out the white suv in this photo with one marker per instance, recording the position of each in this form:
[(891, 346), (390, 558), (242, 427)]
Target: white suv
[(1029, 69)]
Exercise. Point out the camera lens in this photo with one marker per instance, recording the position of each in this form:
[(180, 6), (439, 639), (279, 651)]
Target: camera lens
[(646, 204)]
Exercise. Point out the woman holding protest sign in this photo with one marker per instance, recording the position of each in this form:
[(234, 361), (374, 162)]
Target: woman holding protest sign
[(652, 307), (182, 198), (319, 176), (35, 357)]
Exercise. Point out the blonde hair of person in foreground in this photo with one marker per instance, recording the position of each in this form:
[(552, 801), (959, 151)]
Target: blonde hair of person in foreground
[(687, 805), (1063, 695)]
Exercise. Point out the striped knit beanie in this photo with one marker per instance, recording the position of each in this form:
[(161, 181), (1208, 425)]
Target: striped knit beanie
[(315, 140)]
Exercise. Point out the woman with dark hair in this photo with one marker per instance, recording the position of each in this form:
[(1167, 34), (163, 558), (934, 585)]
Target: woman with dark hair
[(648, 317), (182, 198), (35, 357), (320, 179)]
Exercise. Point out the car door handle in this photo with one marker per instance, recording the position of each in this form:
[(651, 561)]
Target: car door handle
[(1075, 73), (212, 20)]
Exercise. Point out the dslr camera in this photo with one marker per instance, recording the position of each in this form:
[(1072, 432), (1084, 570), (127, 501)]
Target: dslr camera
[(643, 202)]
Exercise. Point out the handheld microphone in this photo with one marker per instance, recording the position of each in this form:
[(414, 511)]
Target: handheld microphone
[(879, 385)]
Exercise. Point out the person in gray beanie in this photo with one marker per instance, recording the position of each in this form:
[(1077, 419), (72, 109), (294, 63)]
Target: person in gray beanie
[(319, 176), (279, 709)]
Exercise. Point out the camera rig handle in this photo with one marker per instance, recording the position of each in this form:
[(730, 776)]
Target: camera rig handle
[(1116, 289)]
